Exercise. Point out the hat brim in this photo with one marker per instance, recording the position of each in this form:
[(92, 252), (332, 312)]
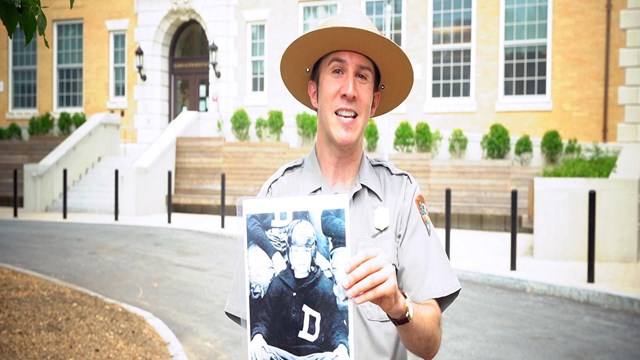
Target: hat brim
[(396, 72)]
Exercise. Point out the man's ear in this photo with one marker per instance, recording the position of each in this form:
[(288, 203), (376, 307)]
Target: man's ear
[(312, 90), (374, 104)]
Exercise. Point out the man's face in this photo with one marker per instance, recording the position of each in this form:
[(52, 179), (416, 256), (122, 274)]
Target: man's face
[(344, 98), (300, 257)]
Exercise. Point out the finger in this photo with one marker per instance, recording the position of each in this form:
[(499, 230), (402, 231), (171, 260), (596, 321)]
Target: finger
[(364, 269), (375, 294), (361, 257)]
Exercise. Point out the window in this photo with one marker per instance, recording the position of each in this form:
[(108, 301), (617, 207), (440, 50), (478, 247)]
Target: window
[(118, 74), (451, 58), (525, 53), (23, 73), (68, 64), (257, 57), (387, 15), (314, 12)]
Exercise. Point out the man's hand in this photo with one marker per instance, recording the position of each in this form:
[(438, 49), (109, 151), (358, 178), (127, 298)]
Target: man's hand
[(371, 276), (258, 348)]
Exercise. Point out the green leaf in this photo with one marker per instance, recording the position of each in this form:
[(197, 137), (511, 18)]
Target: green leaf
[(9, 15), (71, 4), (28, 26), (42, 26)]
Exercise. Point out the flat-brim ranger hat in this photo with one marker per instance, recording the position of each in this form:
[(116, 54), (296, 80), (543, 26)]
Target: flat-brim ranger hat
[(348, 31)]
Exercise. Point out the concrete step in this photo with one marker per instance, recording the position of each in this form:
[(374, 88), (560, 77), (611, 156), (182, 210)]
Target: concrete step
[(94, 192)]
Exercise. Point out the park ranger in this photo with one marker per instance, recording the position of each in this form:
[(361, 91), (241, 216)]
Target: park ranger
[(396, 273)]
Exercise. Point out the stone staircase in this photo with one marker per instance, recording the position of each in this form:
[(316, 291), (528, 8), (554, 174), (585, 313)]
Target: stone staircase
[(94, 192)]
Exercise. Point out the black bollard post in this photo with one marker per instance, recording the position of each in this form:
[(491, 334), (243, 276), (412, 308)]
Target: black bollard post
[(169, 205), (591, 251), (115, 200), (15, 193), (64, 193), (514, 227), (222, 198), (447, 222)]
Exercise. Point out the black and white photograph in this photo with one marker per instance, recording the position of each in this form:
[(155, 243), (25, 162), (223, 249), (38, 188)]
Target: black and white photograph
[(295, 256)]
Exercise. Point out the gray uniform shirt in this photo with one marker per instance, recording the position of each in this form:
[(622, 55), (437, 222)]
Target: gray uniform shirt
[(423, 269)]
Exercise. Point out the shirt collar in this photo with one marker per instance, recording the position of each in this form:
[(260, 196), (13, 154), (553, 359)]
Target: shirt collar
[(312, 175)]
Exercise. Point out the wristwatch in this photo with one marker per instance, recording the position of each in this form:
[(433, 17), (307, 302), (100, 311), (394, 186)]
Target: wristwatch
[(408, 314)]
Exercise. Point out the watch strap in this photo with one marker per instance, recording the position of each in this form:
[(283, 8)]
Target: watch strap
[(407, 315)]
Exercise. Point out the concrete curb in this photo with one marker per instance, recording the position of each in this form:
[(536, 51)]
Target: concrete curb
[(173, 344), (615, 301)]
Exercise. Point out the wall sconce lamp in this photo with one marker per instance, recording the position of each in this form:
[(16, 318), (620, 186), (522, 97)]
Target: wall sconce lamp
[(140, 62), (213, 58)]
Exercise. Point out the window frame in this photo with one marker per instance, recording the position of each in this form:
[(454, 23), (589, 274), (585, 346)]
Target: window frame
[(451, 104), (403, 19), (525, 102), (56, 108), (251, 57), (303, 5), (117, 27), (13, 112), (255, 17)]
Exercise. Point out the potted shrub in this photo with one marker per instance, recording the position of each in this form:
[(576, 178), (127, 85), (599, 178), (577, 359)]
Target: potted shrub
[(275, 122), (240, 124), (561, 206), (423, 137), (65, 123), (524, 150), (404, 138), (496, 144), (12, 131), (436, 140), (78, 119), (307, 125), (371, 136), (458, 144), (261, 128), (40, 125), (551, 146), (573, 149)]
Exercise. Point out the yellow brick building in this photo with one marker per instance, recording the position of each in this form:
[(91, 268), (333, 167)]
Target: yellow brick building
[(579, 76)]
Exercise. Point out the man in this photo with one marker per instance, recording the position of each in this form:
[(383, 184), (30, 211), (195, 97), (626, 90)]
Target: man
[(397, 274), (299, 315)]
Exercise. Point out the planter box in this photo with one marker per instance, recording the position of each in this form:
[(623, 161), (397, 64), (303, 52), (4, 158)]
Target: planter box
[(561, 219)]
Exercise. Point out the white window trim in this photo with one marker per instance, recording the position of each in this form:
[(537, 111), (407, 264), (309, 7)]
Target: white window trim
[(256, 97), (14, 114), (530, 102), (117, 102), (448, 105), (303, 5), (117, 26), (56, 108), (403, 32)]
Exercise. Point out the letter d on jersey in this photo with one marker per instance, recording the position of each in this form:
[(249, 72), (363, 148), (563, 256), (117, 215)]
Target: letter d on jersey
[(304, 333)]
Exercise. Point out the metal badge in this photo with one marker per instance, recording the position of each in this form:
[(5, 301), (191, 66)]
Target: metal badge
[(381, 218)]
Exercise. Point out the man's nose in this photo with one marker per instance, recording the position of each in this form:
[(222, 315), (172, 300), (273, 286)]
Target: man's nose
[(348, 87)]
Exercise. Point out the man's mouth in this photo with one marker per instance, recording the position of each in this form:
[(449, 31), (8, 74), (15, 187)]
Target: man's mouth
[(346, 114)]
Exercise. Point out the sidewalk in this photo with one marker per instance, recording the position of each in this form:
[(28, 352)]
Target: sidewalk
[(478, 256)]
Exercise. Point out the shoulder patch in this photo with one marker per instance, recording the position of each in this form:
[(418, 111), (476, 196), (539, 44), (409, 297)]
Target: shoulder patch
[(424, 212)]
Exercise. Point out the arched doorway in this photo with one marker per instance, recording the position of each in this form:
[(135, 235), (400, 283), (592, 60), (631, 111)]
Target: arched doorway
[(188, 70)]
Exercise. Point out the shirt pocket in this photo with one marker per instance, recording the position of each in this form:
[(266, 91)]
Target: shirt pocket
[(386, 242)]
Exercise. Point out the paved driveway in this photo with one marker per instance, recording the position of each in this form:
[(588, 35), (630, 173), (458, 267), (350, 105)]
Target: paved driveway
[(180, 276)]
